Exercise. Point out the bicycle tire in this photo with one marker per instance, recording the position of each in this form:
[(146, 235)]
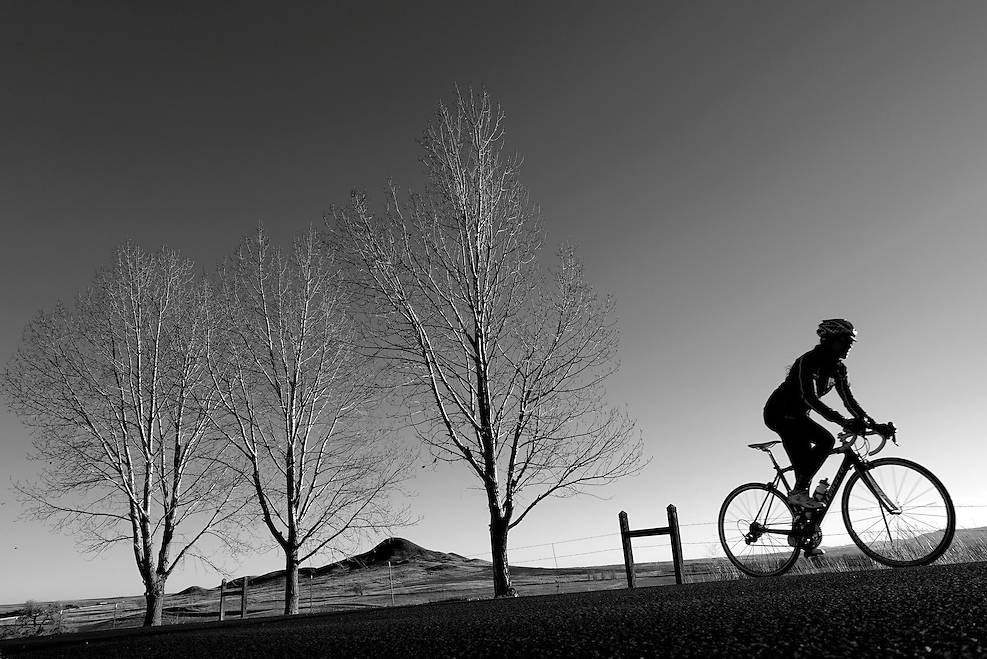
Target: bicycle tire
[(756, 525), (916, 535)]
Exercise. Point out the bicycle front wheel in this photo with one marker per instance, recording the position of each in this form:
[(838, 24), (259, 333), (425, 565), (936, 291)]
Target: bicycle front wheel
[(898, 513), (756, 530)]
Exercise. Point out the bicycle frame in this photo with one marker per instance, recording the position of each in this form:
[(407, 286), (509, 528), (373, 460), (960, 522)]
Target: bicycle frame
[(896, 511), (852, 459)]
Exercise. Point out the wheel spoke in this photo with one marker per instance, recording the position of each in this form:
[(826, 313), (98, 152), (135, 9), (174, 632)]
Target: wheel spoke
[(917, 531), (755, 528)]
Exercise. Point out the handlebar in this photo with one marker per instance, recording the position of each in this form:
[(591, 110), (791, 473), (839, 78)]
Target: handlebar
[(849, 438)]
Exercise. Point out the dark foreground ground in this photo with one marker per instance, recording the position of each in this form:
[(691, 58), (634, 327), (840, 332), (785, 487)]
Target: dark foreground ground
[(939, 611)]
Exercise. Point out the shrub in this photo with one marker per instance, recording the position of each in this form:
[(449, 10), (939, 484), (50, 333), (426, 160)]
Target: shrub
[(36, 619)]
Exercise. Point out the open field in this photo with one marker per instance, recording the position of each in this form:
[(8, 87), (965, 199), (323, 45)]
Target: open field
[(399, 573), (935, 611), (404, 575)]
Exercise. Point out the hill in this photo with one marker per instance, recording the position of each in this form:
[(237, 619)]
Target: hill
[(394, 551), (400, 551)]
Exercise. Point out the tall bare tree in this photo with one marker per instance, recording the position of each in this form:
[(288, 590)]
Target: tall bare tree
[(506, 361), (118, 394), (300, 402)]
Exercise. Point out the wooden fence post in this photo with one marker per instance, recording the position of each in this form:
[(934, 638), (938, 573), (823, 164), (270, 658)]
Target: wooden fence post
[(625, 540), (673, 526), (222, 599), (243, 597), (225, 591), (671, 530)]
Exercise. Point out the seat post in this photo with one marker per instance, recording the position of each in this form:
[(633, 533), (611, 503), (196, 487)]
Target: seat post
[(775, 462)]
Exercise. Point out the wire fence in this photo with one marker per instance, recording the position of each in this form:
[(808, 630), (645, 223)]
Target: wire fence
[(701, 537), (595, 562)]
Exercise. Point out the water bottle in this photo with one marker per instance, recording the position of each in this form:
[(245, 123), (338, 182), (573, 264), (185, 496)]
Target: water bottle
[(821, 490)]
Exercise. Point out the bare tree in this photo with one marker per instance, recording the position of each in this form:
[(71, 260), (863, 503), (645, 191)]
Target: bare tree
[(506, 362), (118, 395), (299, 401)]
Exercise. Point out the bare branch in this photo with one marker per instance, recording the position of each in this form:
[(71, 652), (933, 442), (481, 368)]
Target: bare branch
[(504, 362), (117, 394), (300, 401)]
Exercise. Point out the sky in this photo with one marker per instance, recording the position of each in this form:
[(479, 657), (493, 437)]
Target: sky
[(732, 174)]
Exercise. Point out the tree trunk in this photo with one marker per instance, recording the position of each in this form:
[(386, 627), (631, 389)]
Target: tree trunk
[(154, 595), (291, 582), (498, 550)]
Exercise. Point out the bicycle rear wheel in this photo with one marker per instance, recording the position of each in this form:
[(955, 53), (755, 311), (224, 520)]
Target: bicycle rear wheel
[(756, 530), (902, 517)]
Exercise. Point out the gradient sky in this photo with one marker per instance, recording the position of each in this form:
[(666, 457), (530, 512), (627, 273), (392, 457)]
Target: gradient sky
[(732, 172)]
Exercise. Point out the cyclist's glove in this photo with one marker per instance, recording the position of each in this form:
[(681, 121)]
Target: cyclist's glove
[(885, 430), (856, 426)]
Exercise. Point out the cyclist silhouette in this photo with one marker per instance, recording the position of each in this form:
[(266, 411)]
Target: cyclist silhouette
[(813, 375)]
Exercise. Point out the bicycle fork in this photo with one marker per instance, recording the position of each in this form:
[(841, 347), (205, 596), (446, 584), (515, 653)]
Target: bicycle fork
[(887, 505)]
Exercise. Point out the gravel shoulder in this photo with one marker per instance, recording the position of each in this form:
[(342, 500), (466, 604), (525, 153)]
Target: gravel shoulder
[(937, 611)]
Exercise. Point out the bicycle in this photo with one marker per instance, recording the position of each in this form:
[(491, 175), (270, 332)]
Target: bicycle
[(895, 510)]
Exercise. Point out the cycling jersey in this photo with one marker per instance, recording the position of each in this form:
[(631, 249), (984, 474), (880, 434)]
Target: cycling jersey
[(813, 375)]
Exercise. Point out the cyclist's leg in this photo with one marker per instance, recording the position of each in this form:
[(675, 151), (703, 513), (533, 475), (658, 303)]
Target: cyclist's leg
[(795, 439), (822, 442)]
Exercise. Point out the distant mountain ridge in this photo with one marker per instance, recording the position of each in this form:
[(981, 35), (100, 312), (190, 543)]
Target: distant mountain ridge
[(396, 551)]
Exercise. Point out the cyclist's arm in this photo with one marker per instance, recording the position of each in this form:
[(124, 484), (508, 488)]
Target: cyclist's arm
[(807, 387), (843, 389)]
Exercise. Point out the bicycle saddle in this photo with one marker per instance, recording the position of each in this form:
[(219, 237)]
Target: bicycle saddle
[(765, 446)]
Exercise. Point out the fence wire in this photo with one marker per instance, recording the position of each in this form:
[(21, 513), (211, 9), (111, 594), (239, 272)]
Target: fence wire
[(359, 589), (711, 542)]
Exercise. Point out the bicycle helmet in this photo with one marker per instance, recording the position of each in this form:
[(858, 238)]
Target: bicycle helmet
[(836, 327)]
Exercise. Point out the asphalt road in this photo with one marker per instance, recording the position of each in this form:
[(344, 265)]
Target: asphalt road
[(938, 611)]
